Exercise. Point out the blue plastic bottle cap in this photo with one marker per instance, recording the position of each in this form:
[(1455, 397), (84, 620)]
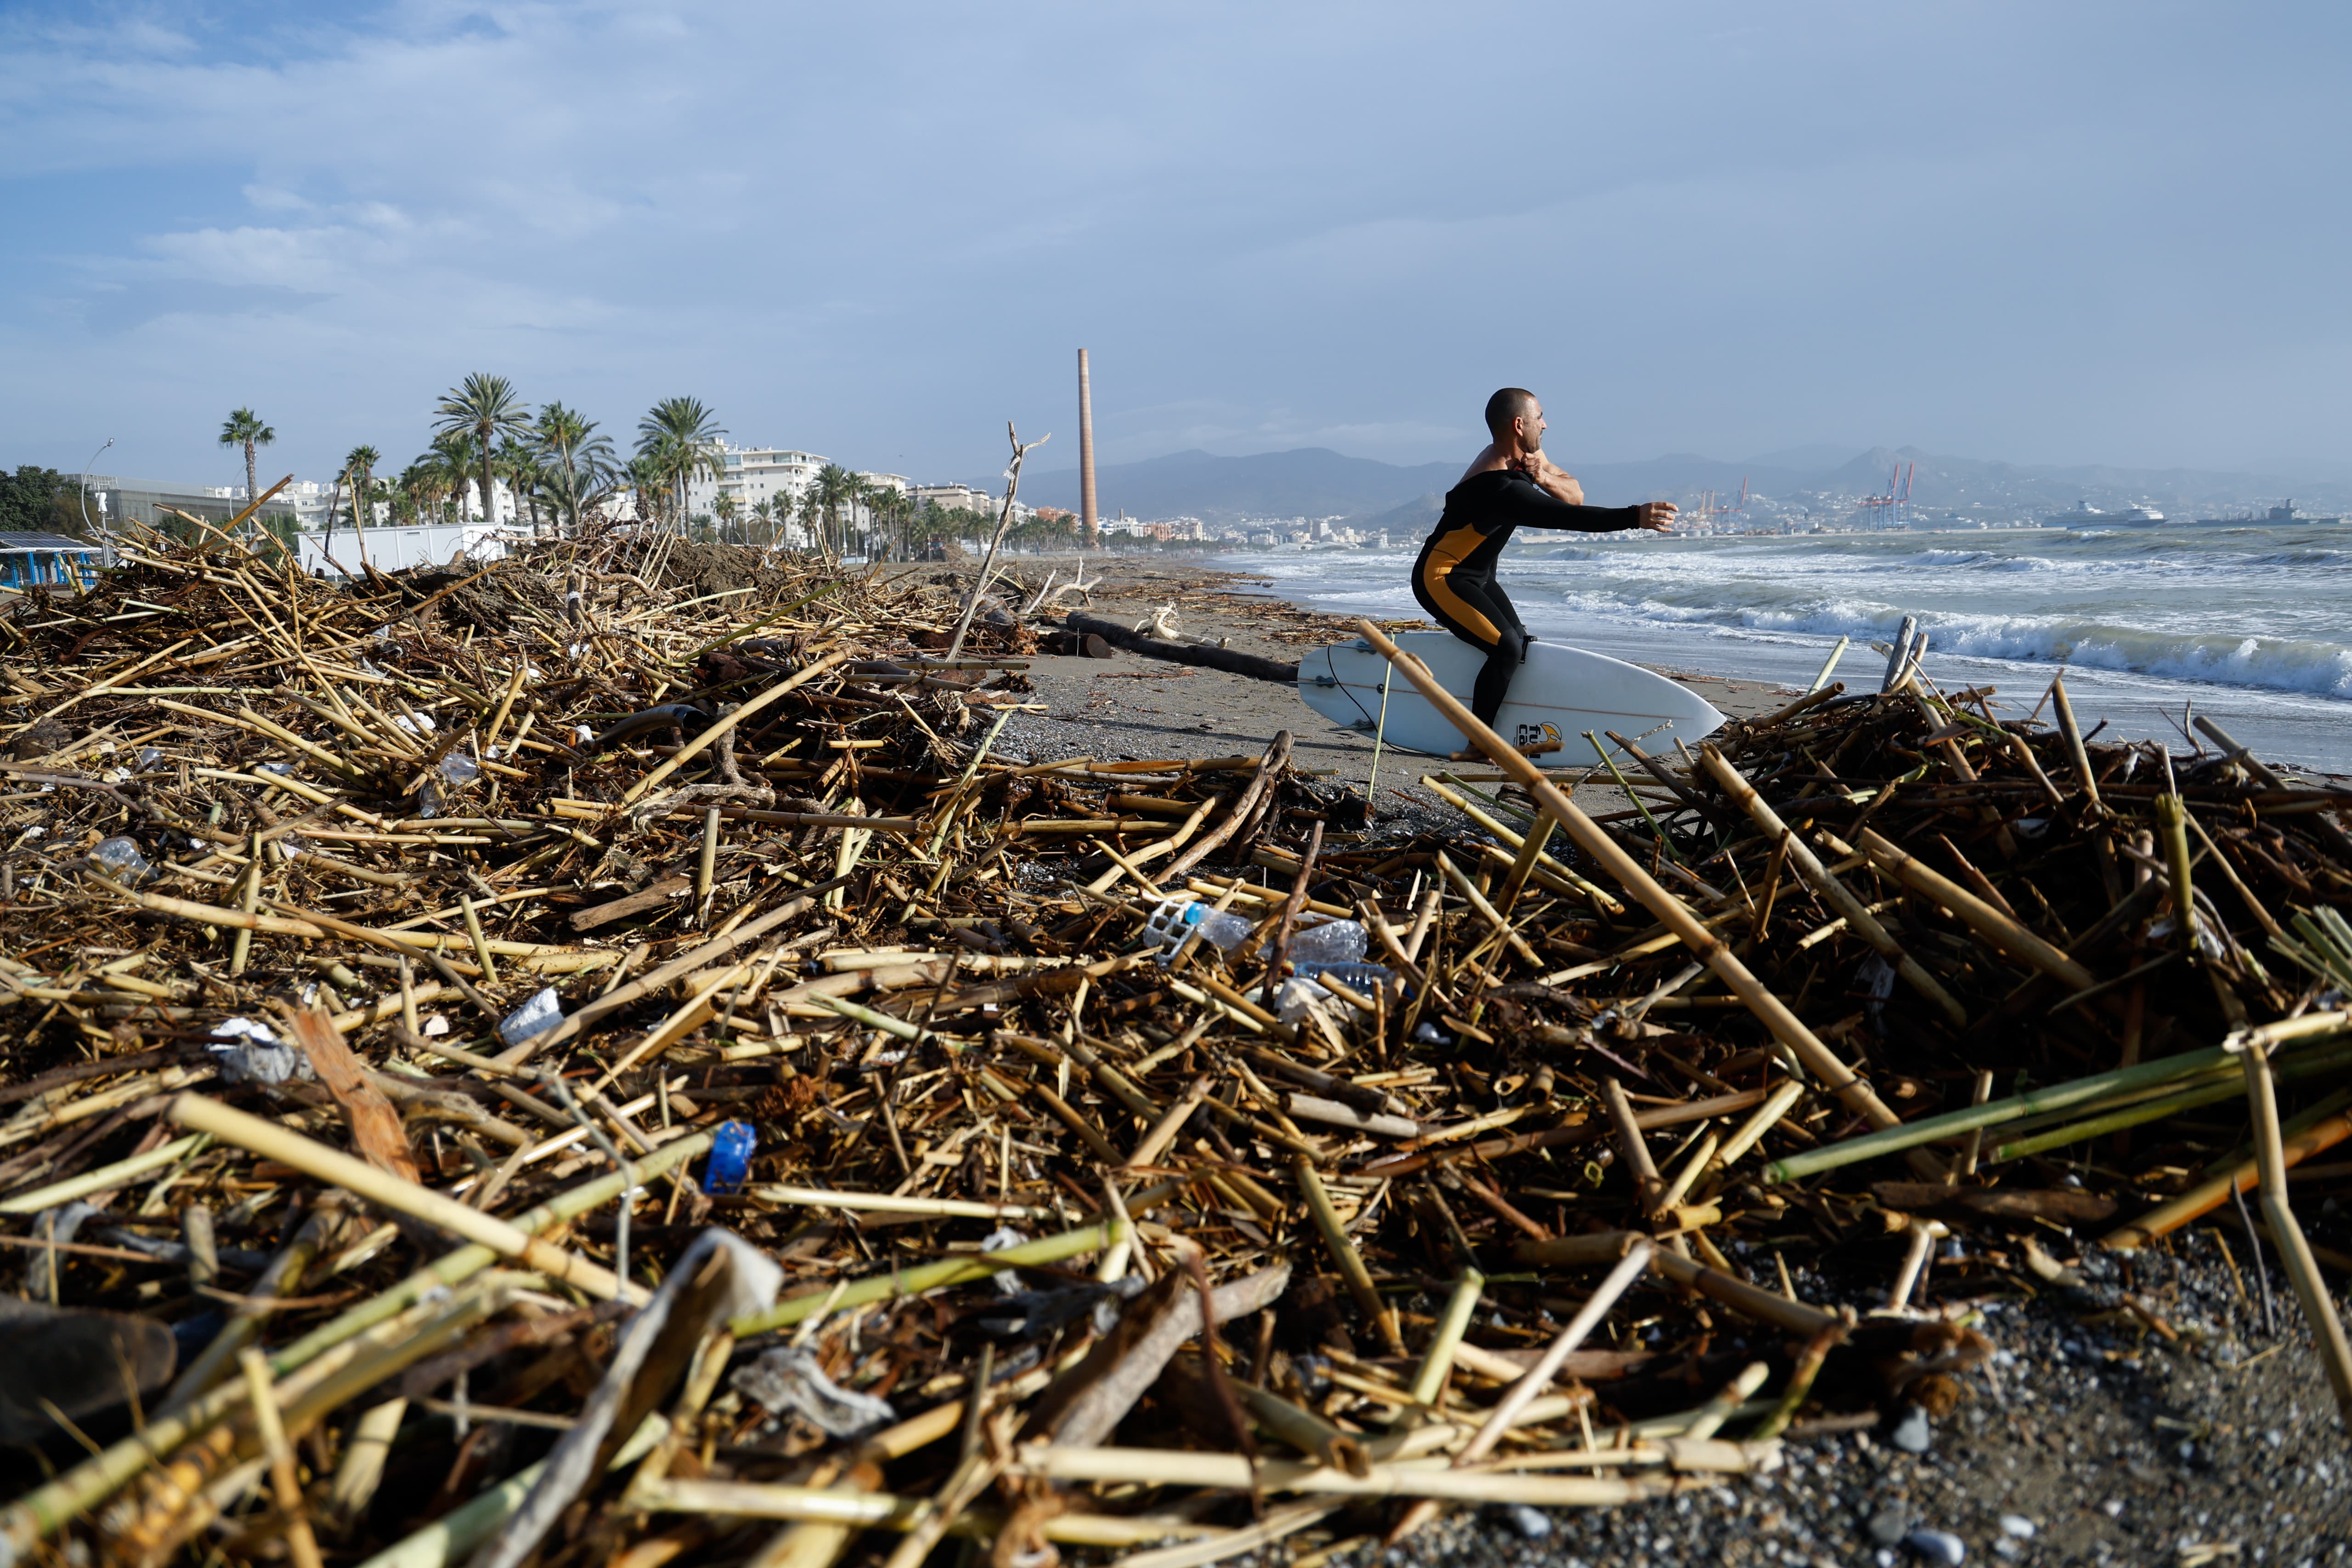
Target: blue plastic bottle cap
[(731, 1158)]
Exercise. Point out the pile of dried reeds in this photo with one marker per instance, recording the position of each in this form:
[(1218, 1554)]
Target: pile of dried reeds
[(597, 1056)]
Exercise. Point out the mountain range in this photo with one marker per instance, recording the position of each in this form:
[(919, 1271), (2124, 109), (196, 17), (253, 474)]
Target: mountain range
[(1313, 481)]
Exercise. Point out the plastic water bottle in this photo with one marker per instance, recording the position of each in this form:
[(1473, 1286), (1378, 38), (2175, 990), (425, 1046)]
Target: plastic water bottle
[(120, 857), (1333, 941), (1171, 922)]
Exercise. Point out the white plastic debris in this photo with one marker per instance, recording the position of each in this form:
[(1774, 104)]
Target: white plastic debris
[(459, 769), (542, 1012), (435, 1026), (789, 1380), (120, 858), (254, 1054), (423, 721)]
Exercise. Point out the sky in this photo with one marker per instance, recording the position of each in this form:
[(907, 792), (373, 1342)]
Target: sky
[(2085, 233)]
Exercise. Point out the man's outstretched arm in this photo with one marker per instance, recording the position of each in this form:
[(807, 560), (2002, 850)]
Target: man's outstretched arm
[(1527, 506)]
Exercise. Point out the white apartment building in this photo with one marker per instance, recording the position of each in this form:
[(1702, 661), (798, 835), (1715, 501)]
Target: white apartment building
[(954, 497), (754, 474)]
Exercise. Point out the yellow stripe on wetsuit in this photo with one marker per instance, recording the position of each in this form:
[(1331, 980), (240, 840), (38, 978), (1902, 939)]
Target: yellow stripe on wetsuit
[(1445, 553)]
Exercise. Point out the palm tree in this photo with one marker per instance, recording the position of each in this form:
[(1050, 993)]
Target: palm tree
[(577, 459), (679, 438), (729, 509), (483, 409), (835, 488), (518, 465), (765, 512), (643, 477), (244, 428), (357, 462)]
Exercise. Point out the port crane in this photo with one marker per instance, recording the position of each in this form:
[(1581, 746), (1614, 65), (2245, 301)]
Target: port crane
[(1898, 499)]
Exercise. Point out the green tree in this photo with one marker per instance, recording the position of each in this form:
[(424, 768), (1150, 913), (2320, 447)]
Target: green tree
[(835, 489), (578, 462), (244, 428), (729, 509), (37, 500), (482, 408), (679, 438), (359, 471), (763, 512)]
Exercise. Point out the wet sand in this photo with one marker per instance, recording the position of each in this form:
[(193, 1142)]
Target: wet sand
[(1132, 707)]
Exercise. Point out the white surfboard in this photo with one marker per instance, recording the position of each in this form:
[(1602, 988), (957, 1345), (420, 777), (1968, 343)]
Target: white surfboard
[(1558, 694)]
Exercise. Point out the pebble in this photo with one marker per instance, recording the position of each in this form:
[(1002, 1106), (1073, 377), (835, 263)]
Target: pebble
[(1937, 1546), (1888, 1526), (1912, 1433), (2017, 1524), (1532, 1523)]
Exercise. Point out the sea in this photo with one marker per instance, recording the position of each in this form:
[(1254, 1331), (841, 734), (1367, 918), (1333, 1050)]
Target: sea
[(2250, 624)]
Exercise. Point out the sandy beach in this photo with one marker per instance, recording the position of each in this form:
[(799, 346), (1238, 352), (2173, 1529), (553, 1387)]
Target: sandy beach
[(1129, 707)]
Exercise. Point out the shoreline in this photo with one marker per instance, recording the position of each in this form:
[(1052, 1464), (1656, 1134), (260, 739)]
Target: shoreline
[(1099, 705), (2297, 730)]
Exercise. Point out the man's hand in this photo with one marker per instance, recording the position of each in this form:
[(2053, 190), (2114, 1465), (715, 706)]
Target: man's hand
[(1557, 481), (1657, 516)]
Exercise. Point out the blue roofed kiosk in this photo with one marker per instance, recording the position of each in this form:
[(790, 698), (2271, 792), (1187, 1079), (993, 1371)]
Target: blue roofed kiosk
[(30, 560)]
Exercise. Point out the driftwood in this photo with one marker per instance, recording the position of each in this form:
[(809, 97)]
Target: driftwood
[(1231, 660)]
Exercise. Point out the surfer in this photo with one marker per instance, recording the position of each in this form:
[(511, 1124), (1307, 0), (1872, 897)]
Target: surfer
[(1509, 486)]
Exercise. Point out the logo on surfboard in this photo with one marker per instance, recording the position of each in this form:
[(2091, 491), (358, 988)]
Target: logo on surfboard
[(1544, 735)]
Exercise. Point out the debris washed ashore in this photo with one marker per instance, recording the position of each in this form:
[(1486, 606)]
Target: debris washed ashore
[(599, 1057)]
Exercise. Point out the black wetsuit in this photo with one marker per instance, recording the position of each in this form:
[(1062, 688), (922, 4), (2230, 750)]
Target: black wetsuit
[(1455, 578)]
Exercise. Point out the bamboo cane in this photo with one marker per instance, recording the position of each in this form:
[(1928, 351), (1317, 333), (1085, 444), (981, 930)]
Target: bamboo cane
[(273, 1141), (1833, 892), (2286, 1232)]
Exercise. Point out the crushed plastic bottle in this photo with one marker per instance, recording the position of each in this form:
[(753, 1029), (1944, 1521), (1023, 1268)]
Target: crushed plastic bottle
[(119, 857), (1172, 922), (150, 755), (1333, 941), (542, 1012), (460, 769)]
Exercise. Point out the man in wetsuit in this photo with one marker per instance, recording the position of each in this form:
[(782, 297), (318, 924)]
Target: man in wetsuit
[(1510, 485)]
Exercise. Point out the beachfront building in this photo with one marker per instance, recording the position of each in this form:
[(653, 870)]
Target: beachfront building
[(752, 475), (117, 503), (953, 498)]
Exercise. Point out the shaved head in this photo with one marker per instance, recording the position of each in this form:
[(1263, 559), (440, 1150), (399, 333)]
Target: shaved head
[(1511, 403)]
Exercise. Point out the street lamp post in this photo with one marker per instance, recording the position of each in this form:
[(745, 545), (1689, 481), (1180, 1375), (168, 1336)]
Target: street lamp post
[(105, 535)]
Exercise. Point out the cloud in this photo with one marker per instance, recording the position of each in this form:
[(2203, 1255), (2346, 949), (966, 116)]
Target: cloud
[(877, 232), (111, 311)]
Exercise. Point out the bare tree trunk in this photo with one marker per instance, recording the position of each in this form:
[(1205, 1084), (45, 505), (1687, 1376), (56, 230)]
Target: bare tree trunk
[(1003, 527)]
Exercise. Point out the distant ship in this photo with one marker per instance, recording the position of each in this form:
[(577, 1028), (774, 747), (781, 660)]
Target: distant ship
[(2086, 515), (2274, 518)]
